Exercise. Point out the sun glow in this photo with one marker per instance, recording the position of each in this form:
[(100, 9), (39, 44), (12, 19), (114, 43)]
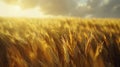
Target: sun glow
[(16, 11), (17, 8)]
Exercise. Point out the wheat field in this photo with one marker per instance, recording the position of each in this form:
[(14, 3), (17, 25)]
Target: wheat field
[(59, 42)]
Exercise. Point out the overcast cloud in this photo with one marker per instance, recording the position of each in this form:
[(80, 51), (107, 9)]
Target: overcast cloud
[(80, 8)]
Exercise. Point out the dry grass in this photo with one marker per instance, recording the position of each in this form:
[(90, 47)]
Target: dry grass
[(68, 42)]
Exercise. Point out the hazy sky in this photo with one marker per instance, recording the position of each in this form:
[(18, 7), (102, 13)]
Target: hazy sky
[(79, 8)]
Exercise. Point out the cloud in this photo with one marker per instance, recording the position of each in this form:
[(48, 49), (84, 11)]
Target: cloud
[(81, 8), (108, 11), (99, 8), (62, 7), (55, 7), (10, 1)]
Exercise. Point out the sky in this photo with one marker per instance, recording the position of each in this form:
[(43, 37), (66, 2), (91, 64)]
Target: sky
[(74, 8)]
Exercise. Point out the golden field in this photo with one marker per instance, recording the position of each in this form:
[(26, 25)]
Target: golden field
[(59, 42)]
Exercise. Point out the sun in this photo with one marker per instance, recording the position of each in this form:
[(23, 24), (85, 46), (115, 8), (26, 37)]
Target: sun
[(8, 10), (31, 12)]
